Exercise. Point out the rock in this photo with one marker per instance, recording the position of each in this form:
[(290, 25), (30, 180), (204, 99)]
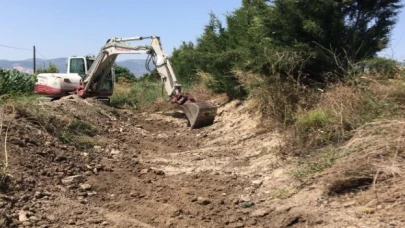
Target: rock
[(348, 204), (105, 223), (239, 225), (34, 218), (135, 161), (252, 222), (38, 195), (26, 223), (114, 152), (51, 218), (159, 172), (203, 201), (247, 204), (76, 179), (91, 193), (133, 194), (42, 223), (86, 187), (257, 183), (88, 173), (2, 222), (260, 212), (144, 171), (71, 222), (82, 194), (22, 216), (60, 158)]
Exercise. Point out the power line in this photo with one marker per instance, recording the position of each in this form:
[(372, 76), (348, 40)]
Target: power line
[(36, 50), (25, 49)]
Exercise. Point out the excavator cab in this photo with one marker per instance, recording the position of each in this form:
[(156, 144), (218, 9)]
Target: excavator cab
[(81, 65)]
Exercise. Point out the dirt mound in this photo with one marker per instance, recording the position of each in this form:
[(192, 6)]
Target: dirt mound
[(46, 161)]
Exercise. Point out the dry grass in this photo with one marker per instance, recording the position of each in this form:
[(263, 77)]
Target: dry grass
[(200, 92), (343, 108), (7, 116), (373, 160), (277, 96), (339, 116)]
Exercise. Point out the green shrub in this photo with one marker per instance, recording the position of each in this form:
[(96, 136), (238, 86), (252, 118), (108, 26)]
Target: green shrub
[(278, 96), (137, 95), (385, 68), (15, 82), (313, 120)]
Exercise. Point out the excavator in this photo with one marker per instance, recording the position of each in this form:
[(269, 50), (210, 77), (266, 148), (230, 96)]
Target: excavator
[(95, 77)]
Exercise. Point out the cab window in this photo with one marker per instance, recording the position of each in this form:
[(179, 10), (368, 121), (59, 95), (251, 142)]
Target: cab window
[(77, 66)]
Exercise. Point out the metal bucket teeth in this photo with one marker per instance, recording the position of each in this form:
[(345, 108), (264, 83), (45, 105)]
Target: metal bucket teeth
[(200, 113)]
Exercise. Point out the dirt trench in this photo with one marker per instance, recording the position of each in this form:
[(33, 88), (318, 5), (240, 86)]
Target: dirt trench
[(150, 170)]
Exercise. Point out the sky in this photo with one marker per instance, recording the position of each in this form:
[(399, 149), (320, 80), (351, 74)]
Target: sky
[(60, 28), (76, 27)]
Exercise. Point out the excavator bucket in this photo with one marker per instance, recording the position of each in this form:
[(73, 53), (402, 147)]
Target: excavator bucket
[(199, 113)]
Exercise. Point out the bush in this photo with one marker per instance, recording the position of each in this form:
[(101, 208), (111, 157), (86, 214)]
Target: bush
[(384, 68), (342, 108), (277, 96), (141, 95), (313, 120), (52, 68)]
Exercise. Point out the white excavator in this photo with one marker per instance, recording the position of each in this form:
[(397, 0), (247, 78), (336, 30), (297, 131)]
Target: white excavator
[(95, 77)]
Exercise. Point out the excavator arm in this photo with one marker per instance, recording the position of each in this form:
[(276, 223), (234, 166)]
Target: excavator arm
[(199, 113)]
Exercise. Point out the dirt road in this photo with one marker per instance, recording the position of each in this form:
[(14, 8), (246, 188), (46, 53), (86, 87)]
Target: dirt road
[(150, 170)]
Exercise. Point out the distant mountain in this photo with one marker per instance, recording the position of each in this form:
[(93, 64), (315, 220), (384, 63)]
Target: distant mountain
[(136, 66)]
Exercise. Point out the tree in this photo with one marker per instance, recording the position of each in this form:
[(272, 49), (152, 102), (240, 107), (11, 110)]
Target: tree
[(52, 68), (294, 38), (335, 32), (123, 72)]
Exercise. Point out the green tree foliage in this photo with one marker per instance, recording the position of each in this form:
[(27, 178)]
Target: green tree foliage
[(294, 38), (150, 77), (334, 33), (123, 72), (52, 68)]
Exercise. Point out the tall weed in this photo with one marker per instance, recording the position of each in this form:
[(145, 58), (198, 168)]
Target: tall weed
[(277, 96)]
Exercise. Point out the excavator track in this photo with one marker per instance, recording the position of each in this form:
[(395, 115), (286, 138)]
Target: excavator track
[(199, 113)]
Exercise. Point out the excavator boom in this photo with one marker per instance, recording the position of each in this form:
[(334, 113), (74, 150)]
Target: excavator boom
[(199, 113)]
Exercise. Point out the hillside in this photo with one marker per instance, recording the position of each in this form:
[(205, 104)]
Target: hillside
[(136, 66)]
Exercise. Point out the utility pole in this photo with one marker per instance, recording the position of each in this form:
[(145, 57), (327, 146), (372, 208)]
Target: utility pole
[(34, 60)]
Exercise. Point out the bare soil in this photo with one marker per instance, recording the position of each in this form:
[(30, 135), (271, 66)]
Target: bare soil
[(150, 170)]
